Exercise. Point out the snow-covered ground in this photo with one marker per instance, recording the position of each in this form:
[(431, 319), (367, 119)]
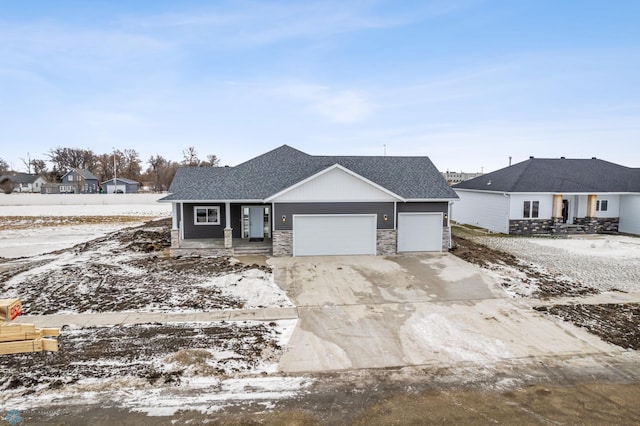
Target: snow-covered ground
[(153, 368), (32, 224), (604, 262)]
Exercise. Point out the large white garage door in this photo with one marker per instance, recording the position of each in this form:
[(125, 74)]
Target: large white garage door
[(419, 232), (317, 235)]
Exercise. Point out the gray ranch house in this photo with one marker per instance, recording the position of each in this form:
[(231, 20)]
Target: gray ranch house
[(552, 196), (290, 203)]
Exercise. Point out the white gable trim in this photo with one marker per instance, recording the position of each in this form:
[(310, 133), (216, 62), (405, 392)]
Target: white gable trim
[(327, 170)]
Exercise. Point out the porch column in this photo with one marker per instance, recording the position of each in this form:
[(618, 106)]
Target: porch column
[(228, 232), (174, 216), (591, 205), (557, 205)]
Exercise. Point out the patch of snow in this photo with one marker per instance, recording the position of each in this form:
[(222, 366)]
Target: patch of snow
[(255, 287)]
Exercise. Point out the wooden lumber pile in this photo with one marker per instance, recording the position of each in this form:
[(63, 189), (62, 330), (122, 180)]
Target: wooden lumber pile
[(21, 338)]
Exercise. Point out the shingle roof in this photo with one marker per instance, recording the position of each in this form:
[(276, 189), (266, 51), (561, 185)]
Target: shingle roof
[(283, 167), (123, 180), (82, 172), (558, 175), (20, 178)]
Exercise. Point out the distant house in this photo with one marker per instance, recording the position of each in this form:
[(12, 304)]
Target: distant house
[(76, 181), (24, 182), (120, 186), (552, 196)]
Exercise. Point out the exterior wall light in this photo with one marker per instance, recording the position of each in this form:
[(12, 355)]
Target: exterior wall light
[(385, 217), (284, 218)]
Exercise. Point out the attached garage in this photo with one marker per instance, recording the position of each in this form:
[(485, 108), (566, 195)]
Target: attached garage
[(419, 232), (320, 235)]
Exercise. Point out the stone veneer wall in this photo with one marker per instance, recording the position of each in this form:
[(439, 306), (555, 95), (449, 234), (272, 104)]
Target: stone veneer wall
[(175, 238), (446, 237), (596, 225), (531, 226), (386, 242), (554, 226), (282, 243)]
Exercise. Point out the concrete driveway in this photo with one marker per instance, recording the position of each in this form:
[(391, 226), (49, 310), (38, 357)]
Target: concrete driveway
[(375, 312)]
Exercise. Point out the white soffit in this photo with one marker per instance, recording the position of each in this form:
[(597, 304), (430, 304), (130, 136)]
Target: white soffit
[(335, 184)]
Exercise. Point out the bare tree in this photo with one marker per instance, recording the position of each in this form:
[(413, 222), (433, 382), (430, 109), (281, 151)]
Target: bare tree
[(190, 157), (161, 172), (7, 186), (4, 166), (131, 165), (212, 161), (39, 166), (27, 163), (65, 159)]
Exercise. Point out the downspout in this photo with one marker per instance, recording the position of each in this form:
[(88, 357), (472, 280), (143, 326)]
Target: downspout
[(504, 194), (450, 204)]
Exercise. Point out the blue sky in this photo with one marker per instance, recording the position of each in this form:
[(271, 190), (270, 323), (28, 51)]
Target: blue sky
[(467, 83)]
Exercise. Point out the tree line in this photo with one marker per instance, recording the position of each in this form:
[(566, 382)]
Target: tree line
[(121, 163)]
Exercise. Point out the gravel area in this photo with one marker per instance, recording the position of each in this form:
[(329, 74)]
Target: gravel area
[(605, 262)]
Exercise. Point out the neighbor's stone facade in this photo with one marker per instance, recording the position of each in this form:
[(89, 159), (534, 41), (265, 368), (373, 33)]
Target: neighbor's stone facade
[(282, 243), (554, 226), (597, 225), (386, 242)]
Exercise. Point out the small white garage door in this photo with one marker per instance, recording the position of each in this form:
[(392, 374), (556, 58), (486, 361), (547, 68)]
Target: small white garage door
[(319, 235), (419, 232)]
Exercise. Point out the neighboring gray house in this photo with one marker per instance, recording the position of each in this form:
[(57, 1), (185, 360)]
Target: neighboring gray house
[(121, 186), (292, 203), (76, 181), (24, 182), (552, 196)]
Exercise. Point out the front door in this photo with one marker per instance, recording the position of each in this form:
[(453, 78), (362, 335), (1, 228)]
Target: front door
[(256, 222), (565, 211)]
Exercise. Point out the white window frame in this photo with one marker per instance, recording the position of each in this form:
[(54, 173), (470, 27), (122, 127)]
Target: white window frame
[(602, 205), (531, 204), (195, 215)]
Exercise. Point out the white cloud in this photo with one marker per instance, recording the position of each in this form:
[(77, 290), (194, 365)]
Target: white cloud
[(338, 106)]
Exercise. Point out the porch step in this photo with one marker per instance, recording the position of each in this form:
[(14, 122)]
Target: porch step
[(252, 250)]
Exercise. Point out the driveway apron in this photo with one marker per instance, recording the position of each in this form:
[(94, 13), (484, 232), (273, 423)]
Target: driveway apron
[(415, 309)]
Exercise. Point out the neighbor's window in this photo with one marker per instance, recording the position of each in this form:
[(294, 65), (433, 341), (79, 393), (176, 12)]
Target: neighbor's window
[(531, 209), (602, 205), (206, 215)]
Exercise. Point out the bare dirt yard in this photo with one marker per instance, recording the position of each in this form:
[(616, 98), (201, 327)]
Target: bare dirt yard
[(225, 372), (548, 269)]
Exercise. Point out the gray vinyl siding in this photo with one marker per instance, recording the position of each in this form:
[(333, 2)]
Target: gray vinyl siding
[(289, 209), (442, 207), (425, 207), (192, 231)]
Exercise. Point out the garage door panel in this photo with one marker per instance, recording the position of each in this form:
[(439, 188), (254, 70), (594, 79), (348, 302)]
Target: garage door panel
[(317, 235), (419, 232)]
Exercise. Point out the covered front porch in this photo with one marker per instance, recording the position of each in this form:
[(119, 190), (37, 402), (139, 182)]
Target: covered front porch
[(221, 228)]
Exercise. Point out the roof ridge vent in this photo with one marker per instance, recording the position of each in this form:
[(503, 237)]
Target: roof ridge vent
[(531, 157)]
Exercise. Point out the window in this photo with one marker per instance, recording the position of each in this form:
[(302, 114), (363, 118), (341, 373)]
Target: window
[(531, 209), (602, 205), (206, 215)]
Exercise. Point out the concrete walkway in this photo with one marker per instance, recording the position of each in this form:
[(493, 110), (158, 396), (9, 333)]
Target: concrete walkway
[(120, 318)]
